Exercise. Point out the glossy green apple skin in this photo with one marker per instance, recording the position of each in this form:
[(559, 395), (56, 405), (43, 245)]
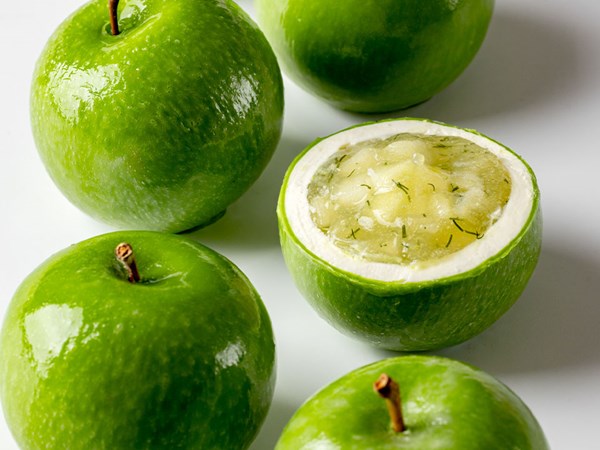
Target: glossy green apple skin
[(165, 125), (185, 359), (446, 404), (375, 55)]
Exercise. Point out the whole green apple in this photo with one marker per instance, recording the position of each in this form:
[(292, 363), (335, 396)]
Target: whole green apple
[(164, 125), (375, 55), (170, 348), (441, 404)]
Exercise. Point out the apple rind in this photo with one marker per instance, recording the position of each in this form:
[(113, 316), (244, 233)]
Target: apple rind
[(414, 315), (446, 404), (185, 364)]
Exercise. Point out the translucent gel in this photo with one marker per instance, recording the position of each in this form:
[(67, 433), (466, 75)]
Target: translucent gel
[(409, 198)]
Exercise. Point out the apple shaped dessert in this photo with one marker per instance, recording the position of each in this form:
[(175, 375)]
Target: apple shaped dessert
[(410, 234)]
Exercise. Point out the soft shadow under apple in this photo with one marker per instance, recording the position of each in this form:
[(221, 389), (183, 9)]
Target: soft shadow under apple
[(524, 62), (279, 415), (251, 222), (553, 325)]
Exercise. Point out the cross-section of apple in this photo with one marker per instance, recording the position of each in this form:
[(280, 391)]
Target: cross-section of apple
[(408, 233)]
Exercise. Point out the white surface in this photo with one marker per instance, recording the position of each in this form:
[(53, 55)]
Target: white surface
[(535, 86)]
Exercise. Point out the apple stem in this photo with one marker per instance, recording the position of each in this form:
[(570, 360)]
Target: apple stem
[(112, 10), (389, 390), (124, 254)]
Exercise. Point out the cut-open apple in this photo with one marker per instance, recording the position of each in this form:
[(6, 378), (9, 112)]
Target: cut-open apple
[(399, 207)]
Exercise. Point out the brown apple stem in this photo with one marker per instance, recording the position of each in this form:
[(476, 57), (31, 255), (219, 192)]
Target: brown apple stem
[(124, 254), (389, 390), (112, 10)]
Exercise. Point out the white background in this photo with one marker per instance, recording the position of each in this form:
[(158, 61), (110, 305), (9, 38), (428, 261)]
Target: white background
[(535, 86)]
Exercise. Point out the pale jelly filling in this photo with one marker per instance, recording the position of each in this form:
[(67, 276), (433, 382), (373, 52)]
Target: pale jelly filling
[(408, 198)]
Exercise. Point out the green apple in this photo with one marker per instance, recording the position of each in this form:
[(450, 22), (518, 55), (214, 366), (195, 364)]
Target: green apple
[(375, 55), (164, 125), (172, 349), (442, 404)]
